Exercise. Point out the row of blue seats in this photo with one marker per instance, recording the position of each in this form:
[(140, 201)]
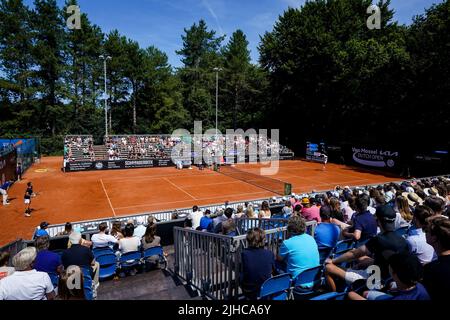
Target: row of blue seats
[(110, 263)]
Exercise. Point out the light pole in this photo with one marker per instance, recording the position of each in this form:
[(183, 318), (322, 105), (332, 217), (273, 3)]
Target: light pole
[(217, 98), (105, 95)]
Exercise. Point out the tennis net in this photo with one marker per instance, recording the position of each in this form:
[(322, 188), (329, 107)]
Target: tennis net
[(263, 182)]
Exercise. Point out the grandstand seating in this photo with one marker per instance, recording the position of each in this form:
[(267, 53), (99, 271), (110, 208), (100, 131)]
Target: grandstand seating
[(276, 288)]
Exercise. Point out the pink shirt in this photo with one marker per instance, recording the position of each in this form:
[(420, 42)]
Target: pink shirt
[(312, 213)]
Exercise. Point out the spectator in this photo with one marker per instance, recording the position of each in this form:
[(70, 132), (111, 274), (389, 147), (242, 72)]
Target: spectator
[(287, 209), (416, 238), (436, 278), (239, 212), (67, 230), (42, 231), (188, 224), (250, 213), (4, 269), (196, 216), (406, 271), (336, 212), (206, 221), (297, 211), (403, 212), (379, 247), (116, 230), (229, 228), (300, 251), (77, 254), (26, 283), (258, 264), (101, 239), (349, 207), (129, 243), (226, 216), (4, 191), (310, 212), (218, 219), (150, 239), (47, 261), (140, 229), (326, 233), (436, 204), (363, 224), (264, 213), (73, 274)]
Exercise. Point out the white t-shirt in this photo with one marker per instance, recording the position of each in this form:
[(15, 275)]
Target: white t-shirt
[(26, 285), (129, 244), (102, 240), (139, 231), (196, 217)]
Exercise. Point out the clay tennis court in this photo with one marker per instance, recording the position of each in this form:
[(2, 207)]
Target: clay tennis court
[(63, 197)]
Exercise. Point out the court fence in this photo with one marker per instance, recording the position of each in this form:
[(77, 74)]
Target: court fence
[(211, 263)]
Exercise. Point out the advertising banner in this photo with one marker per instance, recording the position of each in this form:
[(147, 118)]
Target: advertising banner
[(8, 163), (131, 164), (374, 157)]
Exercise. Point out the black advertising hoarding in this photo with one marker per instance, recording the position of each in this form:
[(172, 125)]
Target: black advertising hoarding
[(134, 164), (8, 163), (373, 157)]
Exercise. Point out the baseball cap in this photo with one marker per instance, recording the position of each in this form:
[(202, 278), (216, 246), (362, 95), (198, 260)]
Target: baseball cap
[(44, 224), (386, 213), (75, 237), (305, 201)]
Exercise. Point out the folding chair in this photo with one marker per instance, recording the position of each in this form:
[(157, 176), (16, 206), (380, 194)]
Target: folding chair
[(87, 278), (102, 251), (276, 288), (324, 253), (129, 260)]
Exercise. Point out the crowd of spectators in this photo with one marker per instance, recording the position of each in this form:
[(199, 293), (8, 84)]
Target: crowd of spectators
[(138, 147), (40, 274), (79, 148)]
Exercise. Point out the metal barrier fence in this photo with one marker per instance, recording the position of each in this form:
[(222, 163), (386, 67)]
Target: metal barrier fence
[(13, 248), (211, 263)]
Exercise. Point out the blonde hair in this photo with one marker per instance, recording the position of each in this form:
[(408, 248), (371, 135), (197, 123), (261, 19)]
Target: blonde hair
[(250, 212)]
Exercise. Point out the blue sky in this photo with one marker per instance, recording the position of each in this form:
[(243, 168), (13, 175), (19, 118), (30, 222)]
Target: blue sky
[(161, 22)]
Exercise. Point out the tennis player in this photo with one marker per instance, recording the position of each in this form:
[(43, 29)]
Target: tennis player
[(325, 161), (27, 199)]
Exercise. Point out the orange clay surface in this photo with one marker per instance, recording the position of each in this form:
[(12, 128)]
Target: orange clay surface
[(78, 196)]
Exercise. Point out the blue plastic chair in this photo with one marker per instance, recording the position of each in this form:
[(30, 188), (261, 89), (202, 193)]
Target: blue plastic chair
[(155, 251), (307, 281), (130, 259), (343, 246), (276, 288), (108, 266), (102, 251), (87, 278)]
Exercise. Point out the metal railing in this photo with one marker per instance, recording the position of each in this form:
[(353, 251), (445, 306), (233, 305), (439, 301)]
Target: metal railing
[(211, 263)]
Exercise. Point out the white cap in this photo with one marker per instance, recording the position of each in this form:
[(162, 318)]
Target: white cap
[(346, 187), (75, 237), (274, 198)]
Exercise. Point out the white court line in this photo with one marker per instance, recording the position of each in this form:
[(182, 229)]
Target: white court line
[(182, 201), (159, 177), (104, 189), (190, 195)]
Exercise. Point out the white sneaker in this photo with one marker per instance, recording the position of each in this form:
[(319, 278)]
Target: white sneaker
[(27, 215)]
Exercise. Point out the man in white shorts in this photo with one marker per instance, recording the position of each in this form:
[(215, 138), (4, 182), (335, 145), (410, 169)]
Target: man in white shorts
[(4, 191)]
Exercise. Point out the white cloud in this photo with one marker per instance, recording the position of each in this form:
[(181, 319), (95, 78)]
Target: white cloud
[(207, 5)]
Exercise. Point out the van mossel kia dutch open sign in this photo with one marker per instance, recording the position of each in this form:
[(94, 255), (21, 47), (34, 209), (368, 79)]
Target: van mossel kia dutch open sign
[(374, 157)]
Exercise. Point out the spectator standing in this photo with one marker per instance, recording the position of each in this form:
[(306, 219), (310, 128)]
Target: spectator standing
[(4, 191), (196, 216), (26, 283)]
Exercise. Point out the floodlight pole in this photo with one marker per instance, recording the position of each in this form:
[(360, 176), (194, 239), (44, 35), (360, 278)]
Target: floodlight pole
[(106, 96), (217, 99)]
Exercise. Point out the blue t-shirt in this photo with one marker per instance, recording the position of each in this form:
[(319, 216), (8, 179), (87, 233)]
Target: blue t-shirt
[(418, 293), (300, 253), (47, 261), (41, 233), (366, 223), (205, 223), (6, 185), (257, 267), (327, 235)]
